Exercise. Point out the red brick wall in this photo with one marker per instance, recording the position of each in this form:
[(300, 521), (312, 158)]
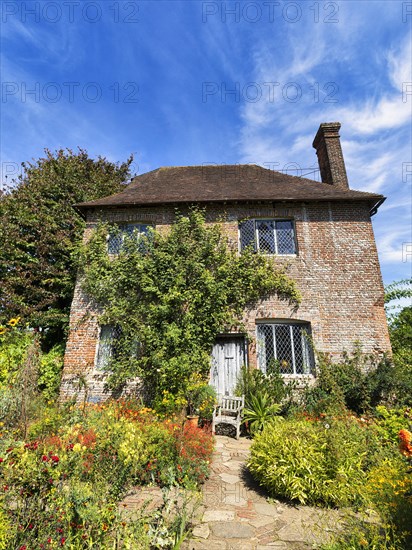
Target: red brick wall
[(336, 270)]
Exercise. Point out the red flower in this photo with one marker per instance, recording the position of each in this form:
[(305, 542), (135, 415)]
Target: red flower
[(44, 458), (1, 459), (24, 547), (62, 541), (55, 458)]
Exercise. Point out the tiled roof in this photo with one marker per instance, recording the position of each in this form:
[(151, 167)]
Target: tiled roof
[(224, 183)]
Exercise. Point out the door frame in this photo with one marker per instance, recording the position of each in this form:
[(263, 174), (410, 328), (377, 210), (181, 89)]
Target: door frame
[(240, 336)]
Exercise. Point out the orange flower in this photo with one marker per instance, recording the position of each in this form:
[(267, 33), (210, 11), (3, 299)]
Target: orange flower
[(405, 436), (405, 445)]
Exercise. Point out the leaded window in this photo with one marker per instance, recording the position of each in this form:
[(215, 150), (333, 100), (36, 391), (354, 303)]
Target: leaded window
[(117, 236), (288, 344), (109, 334), (268, 236)]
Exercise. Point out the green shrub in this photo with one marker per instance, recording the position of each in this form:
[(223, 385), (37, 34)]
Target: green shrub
[(14, 344), (358, 382), (260, 412), (401, 340), (389, 422), (50, 368), (388, 488), (321, 463), (365, 536), (252, 382)]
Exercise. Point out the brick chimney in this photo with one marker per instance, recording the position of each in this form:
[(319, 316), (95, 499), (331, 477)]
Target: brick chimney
[(329, 152)]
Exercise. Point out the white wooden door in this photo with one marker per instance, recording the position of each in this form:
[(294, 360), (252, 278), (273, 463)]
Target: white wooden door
[(228, 356)]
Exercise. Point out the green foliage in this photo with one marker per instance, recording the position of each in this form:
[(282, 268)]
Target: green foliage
[(168, 404), (398, 290), (172, 299), (39, 233), (358, 382), (260, 412), (400, 322), (19, 398), (321, 463), (390, 421), (28, 376), (14, 344), (389, 490), (401, 339), (201, 397), (50, 368), (5, 528), (253, 381), (65, 480), (362, 535)]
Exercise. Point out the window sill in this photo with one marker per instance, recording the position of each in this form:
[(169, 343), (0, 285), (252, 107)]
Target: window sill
[(297, 376), (280, 255)]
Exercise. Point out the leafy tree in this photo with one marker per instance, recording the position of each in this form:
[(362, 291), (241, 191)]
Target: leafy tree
[(39, 232), (400, 332), (398, 289), (171, 297)]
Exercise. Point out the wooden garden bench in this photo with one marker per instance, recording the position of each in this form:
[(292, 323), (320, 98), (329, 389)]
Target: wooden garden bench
[(229, 410)]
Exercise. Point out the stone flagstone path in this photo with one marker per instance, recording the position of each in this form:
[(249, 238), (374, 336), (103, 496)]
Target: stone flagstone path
[(237, 514)]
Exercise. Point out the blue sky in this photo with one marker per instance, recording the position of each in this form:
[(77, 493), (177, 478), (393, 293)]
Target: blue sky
[(192, 82)]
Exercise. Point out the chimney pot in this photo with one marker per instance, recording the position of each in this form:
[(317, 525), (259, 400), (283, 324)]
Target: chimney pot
[(329, 153)]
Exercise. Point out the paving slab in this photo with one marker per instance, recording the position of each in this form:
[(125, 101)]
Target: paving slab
[(230, 478), (201, 531), (232, 530), (218, 515)]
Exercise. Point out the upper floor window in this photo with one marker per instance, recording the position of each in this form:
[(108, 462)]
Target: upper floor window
[(268, 236), (288, 345), (117, 236)]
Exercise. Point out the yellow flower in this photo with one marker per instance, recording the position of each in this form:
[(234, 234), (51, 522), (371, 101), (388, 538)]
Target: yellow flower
[(14, 322), (3, 330)]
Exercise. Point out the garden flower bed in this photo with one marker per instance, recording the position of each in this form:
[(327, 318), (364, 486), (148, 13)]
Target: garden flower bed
[(61, 485)]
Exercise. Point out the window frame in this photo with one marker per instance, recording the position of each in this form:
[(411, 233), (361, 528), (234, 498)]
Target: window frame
[(306, 350), (100, 363), (121, 228), (275, 236)]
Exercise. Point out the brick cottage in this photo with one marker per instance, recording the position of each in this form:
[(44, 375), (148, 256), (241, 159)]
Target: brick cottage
[(323, 231)]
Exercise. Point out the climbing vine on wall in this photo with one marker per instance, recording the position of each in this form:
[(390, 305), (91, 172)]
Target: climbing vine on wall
[(170, 298)]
